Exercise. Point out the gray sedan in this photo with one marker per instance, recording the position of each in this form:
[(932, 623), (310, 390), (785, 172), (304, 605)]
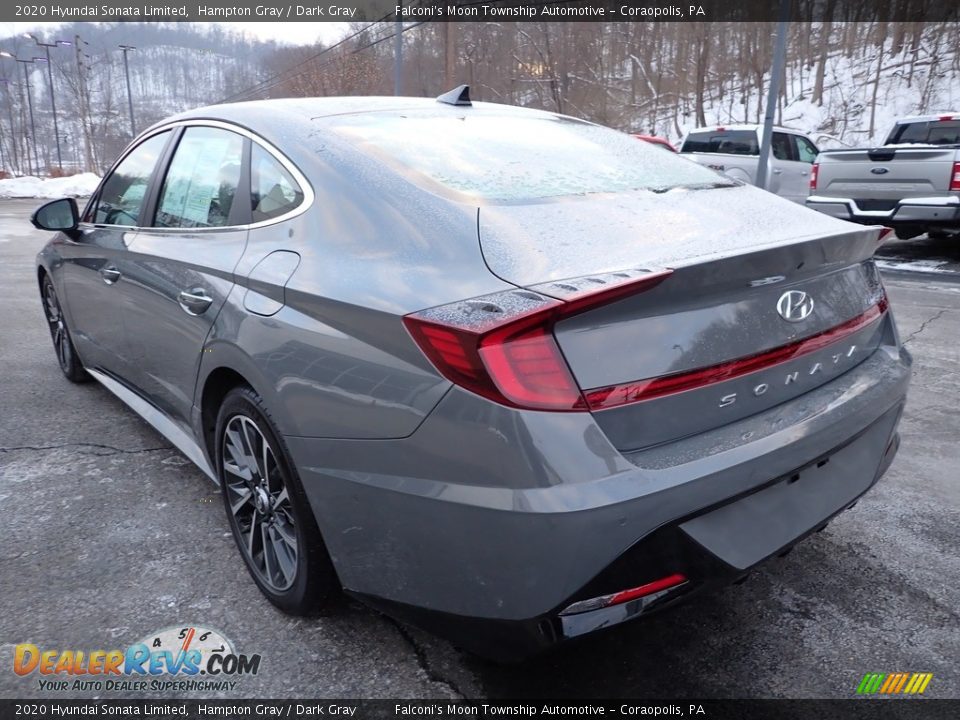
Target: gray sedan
[(504, 374)]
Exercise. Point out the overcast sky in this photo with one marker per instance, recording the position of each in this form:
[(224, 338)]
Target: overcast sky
[(291, 33)]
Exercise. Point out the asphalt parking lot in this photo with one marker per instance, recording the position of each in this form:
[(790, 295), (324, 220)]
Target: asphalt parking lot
[(110, 535)]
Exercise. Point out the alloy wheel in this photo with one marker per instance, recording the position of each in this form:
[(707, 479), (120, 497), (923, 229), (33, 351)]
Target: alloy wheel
[(57, 325), (259, 503)]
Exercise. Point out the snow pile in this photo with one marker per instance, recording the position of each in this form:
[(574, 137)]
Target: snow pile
[(27, 186)]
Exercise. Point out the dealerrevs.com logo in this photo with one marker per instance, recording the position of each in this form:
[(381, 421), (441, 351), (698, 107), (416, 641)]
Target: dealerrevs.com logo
[(191, 658)]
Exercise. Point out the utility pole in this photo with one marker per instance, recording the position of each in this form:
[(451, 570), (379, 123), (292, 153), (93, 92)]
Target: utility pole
[(84, 107), (398, 52), (126, 70), (450, 54), (776, 76), (53, 99)]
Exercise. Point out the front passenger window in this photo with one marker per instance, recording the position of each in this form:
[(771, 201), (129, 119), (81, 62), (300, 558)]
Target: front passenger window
[(202, 180), (122, 194), (806, 150)]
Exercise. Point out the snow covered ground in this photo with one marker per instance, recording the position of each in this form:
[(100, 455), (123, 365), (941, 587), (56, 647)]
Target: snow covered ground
[(33, 187)]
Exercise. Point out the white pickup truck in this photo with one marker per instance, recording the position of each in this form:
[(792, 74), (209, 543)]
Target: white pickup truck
[(911, 183), (735, 151)]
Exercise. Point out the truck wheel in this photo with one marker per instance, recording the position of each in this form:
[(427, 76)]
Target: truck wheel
[(907, 233)]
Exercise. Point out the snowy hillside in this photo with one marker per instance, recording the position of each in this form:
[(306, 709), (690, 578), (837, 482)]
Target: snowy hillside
[(863, 94)]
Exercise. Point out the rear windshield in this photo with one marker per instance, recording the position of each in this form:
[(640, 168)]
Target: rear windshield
[(731, 142), (937, 132), (520, 159)]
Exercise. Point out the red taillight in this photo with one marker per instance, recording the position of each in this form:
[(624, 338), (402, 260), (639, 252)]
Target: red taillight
[(945, 118), (652, 388), (884, 233), (955, 178), (502, 346), (643, 591), (813, 175)]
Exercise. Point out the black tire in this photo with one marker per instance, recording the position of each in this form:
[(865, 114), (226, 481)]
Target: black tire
[(60, 335), (907, 233), (269, 515)]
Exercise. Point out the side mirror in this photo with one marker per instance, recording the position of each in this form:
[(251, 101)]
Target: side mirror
[(59, 215)]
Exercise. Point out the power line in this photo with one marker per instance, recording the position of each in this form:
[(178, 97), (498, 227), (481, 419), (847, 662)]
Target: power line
[(270, 83), (257, 87), (332, 60)]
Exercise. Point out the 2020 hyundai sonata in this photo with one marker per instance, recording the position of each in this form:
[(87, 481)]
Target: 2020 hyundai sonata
[(502, 373)]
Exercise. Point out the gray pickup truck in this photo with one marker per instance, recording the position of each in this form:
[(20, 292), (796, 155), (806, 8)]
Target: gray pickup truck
[(911, 183)]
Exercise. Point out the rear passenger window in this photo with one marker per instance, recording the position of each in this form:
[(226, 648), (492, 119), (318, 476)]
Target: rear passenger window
[(729, 142), (780, 145), (202, 180), (941, 132), (273, 191)]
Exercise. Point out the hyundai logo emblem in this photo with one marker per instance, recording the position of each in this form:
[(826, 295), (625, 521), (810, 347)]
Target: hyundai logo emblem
[(880, 171), (795, 305)]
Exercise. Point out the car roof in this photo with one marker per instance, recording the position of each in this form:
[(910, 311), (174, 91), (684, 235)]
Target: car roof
[(744, 126), (929, 118), (317, 108)]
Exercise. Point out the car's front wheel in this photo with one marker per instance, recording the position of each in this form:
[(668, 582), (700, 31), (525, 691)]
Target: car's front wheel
[(60, 334), (267, 509)]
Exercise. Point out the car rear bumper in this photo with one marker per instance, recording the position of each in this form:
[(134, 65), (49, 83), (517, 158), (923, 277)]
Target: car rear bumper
[(492, 566), (938, 211)]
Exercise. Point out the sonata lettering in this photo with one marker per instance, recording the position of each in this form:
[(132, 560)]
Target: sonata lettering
[(789, 378)]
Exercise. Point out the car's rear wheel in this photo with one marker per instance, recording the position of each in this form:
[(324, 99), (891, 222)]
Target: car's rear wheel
[(60, 334), (267, 509)]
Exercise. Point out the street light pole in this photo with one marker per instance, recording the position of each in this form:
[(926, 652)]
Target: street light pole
[(53, 100), (776, 75), (126, 70), (33, 125)]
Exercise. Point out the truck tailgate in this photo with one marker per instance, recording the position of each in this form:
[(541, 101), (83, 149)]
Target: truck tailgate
[(888, 173)]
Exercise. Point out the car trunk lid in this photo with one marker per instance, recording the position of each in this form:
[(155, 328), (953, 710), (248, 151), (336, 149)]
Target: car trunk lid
[(658, 365)]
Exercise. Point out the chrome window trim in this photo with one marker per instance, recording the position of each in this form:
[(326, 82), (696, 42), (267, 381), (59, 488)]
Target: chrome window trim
[(301, 179)]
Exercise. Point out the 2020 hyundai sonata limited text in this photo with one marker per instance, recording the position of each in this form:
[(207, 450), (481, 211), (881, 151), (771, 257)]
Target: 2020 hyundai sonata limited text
[(502, 373)]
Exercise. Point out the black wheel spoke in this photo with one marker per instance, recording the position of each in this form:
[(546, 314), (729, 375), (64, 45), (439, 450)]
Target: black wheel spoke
[(284, 551), (251, 538), (240, 465), (242, 495), (269, 557)]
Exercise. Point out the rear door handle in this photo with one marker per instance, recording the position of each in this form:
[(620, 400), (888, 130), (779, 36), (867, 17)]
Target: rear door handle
[(109, 274), (777, 171), (195, 301)]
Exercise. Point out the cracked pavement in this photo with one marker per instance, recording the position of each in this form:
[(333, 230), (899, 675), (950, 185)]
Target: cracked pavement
[(110, 534)]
